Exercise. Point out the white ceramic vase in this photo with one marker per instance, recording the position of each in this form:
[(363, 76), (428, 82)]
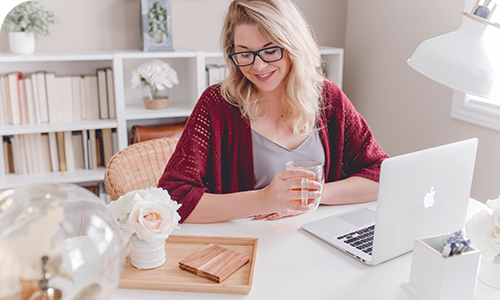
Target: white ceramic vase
[(489, 271), (146, 254), (22, 42)]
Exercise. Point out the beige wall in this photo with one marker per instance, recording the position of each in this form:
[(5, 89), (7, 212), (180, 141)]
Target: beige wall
[(90, 25), (406, 110)]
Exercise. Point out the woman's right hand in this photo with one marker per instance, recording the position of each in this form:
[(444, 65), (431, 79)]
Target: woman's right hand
[(284, 188)]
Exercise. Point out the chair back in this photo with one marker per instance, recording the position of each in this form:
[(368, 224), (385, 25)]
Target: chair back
[(139, 166)]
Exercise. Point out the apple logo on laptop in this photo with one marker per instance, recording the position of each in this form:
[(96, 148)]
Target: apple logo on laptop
[(429, 198)]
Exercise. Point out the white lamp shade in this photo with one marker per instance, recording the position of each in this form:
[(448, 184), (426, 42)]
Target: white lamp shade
[(457, 60)]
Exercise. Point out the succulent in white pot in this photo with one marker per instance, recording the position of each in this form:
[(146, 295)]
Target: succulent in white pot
[(25, 22)]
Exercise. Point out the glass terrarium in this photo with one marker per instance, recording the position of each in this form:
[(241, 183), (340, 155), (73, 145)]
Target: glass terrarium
[(58, 241)]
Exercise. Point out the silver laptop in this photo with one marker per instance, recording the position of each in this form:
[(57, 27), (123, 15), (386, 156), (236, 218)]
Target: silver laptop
[(420, 194)]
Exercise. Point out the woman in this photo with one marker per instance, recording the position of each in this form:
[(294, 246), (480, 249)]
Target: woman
[(274, 104)]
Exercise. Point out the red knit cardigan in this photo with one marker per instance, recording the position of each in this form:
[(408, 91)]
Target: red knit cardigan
[(214, 153)]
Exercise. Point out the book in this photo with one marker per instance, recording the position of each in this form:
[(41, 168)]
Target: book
[(114, 136), (54, 152), (36, 99), (61, 151), (78, 150), (111, 92), (103, 94), (46, 153), (3, 107), (6, 110), (21, 155), (92, 149), (107, 145), (15, 158), (76, 96), (86, 152), (91, 97), (41, 90), (10, 152), (99, 150), (38, 152), (28, 155), (23, 101), (66, 97), (30, 101), (15, 105), (54, 98), (83, 100), (5, 156), (69, 151)]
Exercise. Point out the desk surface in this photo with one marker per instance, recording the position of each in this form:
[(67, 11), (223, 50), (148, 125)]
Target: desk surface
[(318, 271)]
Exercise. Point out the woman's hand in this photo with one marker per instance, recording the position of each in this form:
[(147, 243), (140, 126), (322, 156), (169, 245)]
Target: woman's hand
[(278, 197)]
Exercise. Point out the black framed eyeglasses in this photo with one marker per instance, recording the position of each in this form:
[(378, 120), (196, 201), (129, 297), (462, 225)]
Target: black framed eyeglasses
[(268, 55)]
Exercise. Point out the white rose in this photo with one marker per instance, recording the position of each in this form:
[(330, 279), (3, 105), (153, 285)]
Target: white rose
[(153, 221), (496, 218), (495, 241), (478, 228), (493, 204), (121, 208)]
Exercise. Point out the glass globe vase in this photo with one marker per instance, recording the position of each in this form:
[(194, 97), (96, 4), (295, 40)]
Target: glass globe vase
[(58, 241)]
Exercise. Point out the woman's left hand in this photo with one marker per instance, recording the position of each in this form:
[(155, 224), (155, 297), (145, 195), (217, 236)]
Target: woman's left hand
[(279, 215)]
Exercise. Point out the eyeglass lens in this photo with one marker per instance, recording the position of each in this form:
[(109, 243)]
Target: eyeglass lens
[(267, 55)]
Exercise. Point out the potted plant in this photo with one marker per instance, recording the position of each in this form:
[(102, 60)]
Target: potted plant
[(25, 22), (156, 77)]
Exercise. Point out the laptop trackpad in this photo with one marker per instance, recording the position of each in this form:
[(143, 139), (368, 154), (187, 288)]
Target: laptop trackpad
[(359, 217)]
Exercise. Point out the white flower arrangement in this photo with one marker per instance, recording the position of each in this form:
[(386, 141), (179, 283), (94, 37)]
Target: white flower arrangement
[(150, 214), (156, 74), (483, 229)]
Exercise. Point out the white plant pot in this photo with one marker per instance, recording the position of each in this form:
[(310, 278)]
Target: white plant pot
[(22, 42)]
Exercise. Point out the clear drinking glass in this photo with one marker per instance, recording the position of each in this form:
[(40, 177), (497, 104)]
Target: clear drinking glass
[(315, 167)]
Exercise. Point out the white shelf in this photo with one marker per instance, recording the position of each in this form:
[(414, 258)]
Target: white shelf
[(140, 54), (47, 127), (139, 112), (77, 176), (54, 57)]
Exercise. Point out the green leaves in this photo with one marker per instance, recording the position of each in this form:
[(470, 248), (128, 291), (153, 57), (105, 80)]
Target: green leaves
[(29, 17)]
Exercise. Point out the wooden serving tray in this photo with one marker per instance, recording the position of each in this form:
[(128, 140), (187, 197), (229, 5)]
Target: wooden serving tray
[(170, 277)]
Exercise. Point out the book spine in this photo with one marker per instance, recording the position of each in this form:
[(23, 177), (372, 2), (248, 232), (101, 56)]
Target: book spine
[(103, 94), (30, 101), (41, 85)]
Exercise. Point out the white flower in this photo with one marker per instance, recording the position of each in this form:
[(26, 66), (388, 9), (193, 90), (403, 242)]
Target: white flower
[(156, 73), (149, 213), (483, 229), (493, 204)]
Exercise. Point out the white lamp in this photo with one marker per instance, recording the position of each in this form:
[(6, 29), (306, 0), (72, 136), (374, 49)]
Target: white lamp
[(458, 59)]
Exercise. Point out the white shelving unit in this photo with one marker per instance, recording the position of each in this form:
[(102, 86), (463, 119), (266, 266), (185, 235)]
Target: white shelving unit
[(189, 65)]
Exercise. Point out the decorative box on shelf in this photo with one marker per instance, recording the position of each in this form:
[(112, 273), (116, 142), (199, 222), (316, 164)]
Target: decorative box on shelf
[(434, 276)]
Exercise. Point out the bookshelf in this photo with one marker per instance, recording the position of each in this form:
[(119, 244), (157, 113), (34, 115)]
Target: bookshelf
[(189, 65)]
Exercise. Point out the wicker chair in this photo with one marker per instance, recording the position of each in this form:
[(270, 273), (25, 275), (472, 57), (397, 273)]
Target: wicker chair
[(138, 166)]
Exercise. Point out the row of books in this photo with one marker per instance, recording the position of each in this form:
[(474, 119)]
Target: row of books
[(58, 151), (43, 97), (215, 74)]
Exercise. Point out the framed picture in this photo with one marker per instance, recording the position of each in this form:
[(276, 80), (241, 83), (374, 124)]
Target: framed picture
[(156, 19)]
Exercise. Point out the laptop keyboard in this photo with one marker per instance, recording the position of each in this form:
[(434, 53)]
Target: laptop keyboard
[(361, 239)]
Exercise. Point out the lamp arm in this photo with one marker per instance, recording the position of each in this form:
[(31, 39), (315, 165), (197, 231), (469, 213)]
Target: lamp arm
[(482, 13)]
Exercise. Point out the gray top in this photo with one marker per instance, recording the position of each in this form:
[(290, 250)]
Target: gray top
[(270, 158)]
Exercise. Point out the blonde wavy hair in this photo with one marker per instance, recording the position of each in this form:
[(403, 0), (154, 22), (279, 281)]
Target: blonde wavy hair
[(283, 24)]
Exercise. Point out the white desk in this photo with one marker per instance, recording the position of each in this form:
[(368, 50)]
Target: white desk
[(293, 264)]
